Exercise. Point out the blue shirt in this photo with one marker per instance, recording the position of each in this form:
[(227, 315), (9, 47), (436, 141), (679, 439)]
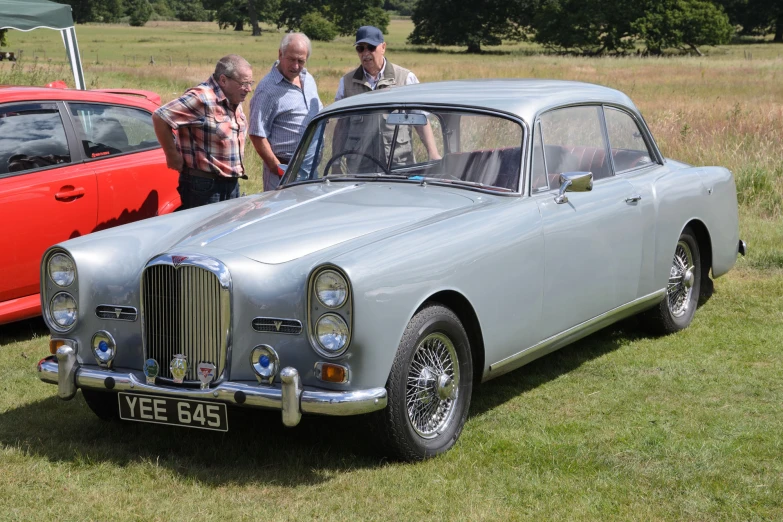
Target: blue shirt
[(280, 111)]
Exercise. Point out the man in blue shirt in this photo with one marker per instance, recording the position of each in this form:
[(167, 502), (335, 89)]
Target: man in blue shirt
[(285, 101)]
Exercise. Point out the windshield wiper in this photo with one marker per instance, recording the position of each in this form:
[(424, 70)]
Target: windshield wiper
[(367, 176), (460, 182)]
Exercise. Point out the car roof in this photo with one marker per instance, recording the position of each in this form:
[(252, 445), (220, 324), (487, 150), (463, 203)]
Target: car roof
[(525, 98), (138, 98)]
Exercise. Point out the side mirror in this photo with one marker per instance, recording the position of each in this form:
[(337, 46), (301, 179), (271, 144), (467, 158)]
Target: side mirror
[(573, 182)]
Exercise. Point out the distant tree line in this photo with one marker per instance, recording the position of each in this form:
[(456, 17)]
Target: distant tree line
[(594, 27), (589, 27)]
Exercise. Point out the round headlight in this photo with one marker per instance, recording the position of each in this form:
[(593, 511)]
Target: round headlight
[(332, 334), (103, 348), (331, 288), (63, 309), (62, 270)]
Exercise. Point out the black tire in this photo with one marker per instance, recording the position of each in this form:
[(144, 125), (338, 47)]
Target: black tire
[(675, 312), (102, 404), (429, 387)]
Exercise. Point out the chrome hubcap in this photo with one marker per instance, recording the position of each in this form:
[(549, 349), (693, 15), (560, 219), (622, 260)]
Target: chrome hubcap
[(681, 279), (433, 385)]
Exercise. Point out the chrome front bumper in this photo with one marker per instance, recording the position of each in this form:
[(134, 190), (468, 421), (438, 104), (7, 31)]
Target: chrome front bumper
[(64, 371)]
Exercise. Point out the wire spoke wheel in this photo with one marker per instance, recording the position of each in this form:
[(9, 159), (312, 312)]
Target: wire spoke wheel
[(432, 385), (680, 287)]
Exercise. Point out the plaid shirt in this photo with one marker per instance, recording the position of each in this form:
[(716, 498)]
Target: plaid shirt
[(211, 135)]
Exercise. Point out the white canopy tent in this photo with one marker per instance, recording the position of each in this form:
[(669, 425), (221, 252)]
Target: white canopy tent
[(26, 15)]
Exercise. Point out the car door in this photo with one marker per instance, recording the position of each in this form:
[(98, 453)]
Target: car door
[(120, 145), (46, 194), (592, 242)]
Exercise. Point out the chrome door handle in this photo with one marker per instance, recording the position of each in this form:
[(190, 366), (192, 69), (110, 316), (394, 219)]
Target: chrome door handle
[(633, 199)]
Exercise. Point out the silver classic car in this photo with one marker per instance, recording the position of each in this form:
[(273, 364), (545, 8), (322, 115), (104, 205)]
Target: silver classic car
[(423, 239)]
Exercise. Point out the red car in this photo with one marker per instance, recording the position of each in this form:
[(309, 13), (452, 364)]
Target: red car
[(72, 162)]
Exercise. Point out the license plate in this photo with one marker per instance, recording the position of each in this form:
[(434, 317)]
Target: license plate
[(179, 412)]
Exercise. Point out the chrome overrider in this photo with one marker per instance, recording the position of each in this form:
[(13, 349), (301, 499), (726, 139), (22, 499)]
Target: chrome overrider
[(63, 370)]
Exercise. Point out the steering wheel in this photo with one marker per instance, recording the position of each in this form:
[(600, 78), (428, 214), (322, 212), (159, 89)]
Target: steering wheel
[(357, 152)]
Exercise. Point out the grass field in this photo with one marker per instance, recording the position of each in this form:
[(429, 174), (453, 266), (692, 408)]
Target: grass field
[(618, 426)]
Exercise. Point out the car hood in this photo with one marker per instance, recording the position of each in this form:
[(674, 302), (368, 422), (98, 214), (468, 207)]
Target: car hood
[(288, 224)]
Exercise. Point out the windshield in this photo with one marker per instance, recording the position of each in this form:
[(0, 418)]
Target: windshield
[(449, 146)]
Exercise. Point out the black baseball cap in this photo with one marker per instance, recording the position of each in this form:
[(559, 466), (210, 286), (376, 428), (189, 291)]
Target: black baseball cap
[(370, 35)]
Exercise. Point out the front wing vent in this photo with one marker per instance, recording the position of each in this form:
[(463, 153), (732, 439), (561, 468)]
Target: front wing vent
[(284, 326), (118, 313)]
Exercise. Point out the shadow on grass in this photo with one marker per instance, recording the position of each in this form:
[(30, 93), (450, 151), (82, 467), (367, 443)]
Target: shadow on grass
[(493, 393), (23, 330), (258, 448)]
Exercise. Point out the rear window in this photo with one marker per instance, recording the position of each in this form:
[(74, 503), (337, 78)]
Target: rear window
[(106, 130)]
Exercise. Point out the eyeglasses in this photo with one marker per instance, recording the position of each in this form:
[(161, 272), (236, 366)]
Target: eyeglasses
[(246, 85), (360, 48)]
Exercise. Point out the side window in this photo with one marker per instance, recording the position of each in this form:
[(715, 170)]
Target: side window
[(107, 130), (539, 179), (32, 136), (629, 149), (574, 142)]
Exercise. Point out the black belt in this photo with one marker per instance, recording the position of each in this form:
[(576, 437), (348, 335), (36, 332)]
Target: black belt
[(283, 161), (209, 175)]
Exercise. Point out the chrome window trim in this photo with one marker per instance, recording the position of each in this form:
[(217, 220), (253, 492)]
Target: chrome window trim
[(426, 107)]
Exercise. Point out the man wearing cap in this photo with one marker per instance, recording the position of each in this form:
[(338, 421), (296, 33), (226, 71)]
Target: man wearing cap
[(210, 130), (374, 73), (284, 103)]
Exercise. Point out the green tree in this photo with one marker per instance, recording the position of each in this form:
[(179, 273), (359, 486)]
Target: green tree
[(3, 41), (109, 11), (317, 27), (683, 24), (140, 12), (470, 23), (349, 15), (595, 27), (190, 11), (589, 27)]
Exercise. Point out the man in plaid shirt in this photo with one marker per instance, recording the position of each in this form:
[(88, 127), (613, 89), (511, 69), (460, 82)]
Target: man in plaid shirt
[(210, 129)]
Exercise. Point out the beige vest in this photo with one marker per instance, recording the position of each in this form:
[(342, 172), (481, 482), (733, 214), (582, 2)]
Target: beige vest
[(365, 130)]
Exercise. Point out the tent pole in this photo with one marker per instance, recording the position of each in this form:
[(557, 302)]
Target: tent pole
[(72, 49)]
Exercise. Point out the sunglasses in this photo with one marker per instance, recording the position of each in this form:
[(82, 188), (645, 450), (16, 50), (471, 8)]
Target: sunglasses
[(360, 48)]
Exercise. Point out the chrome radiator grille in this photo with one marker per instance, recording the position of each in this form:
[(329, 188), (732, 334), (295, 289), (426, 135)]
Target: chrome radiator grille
[(186, 311)]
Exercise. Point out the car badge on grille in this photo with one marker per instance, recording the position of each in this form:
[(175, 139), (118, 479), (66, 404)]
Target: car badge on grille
[(205, 374), (278, 324), (178, 260), (179, 367), (151, 370), (117, 312)]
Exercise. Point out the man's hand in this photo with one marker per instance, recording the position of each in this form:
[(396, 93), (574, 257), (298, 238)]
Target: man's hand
[(175, 161), (166, 138)]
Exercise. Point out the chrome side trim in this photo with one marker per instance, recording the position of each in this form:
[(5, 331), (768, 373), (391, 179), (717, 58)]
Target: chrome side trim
[(572, 334), (323, 402)]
